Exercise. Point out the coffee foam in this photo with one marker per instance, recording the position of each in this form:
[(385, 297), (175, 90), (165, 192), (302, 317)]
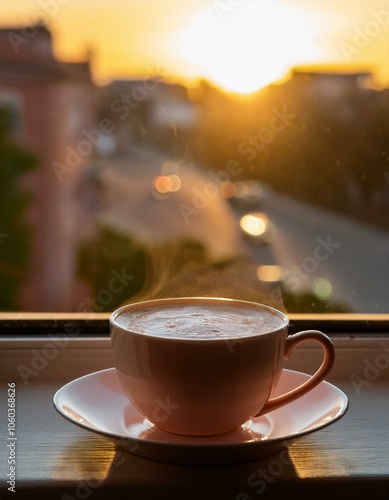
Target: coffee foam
[(200, 321)]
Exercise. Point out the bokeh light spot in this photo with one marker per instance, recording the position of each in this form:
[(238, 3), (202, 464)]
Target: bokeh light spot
[(270, 273), (322, 288), (254, 224)]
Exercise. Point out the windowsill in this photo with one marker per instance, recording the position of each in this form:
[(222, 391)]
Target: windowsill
[(349, 459)]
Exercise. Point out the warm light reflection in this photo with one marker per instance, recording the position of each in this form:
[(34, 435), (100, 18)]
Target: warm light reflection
[(84, 458), (256, 44), (270, 273), (162, 184), (165, 184), (228, 189), (254, 224), (307, 461)]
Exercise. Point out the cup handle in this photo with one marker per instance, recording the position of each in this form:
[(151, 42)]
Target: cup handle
[(327, 363)]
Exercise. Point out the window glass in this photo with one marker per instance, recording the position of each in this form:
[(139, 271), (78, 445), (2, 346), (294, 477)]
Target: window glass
[(210, 147)]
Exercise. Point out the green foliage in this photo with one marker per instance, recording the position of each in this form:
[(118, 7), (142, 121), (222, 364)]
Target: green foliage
[(14, 233), (180, 268), (110, 253), (308, 303), (158, 270)]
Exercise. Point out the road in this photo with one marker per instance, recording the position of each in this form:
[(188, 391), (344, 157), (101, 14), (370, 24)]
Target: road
[(314, 244), (193, 211), (347, 260)]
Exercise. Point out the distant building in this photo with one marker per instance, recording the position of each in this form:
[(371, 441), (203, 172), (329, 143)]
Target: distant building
[(148, 111), (53, 105), (330, 83)]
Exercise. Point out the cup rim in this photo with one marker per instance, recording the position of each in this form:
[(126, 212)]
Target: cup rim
[(216, 300)]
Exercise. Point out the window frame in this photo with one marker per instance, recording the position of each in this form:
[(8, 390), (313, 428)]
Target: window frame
[(69, 345), (75, 324)]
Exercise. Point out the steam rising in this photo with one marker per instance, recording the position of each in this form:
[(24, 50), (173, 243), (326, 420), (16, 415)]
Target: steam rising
[(174, 273)]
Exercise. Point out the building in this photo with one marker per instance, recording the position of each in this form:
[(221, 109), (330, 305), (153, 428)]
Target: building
[(53, 105), (149, 111), (330, 84)]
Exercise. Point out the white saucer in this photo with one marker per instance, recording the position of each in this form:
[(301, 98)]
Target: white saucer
[(96, 402)]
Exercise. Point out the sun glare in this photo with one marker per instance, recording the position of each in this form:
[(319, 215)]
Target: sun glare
[(253, 45)]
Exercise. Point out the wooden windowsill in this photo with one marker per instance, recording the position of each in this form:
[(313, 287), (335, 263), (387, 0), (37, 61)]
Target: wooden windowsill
[(56, 459)]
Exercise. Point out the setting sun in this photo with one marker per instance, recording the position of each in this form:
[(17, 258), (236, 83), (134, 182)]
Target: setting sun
[(249, 47), (239, 45)]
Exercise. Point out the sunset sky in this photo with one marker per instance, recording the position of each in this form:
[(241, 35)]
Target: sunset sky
[(239, 45)]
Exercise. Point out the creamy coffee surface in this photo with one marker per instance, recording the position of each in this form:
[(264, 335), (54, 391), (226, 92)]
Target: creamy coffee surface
[(200, 321)]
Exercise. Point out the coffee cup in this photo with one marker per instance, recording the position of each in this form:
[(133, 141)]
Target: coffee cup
[(205, 366)]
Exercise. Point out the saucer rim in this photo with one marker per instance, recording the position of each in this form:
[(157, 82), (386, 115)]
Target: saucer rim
[(166, 444)]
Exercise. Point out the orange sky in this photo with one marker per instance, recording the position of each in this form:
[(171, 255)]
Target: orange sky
[(239, 45)]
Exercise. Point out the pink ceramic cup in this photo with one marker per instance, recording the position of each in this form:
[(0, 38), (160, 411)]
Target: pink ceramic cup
[(207, 386)]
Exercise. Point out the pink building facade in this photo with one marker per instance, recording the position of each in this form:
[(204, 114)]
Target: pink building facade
[(54, 103)]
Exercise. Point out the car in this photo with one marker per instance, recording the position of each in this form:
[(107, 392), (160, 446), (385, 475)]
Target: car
[(249, 193), (257, 228)]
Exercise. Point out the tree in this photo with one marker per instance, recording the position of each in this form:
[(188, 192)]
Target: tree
[(14, 233), (108, 255)]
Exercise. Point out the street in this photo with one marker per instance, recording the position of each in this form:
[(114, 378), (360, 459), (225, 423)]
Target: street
[(314, 244), (134, 207), (318, 252)]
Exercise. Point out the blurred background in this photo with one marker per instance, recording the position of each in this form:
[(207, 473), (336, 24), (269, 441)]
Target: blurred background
[(211, 148)]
